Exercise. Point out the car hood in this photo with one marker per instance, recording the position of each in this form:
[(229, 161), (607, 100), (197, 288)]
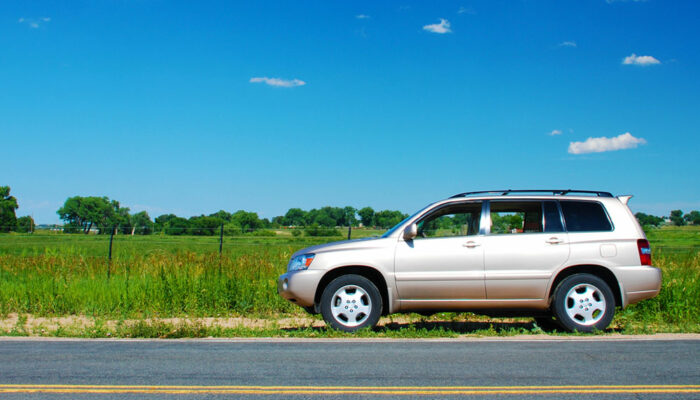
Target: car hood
[(363, 243)]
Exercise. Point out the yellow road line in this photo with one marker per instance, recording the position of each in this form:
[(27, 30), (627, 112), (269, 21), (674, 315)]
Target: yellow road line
[(347, 390), (286, 387)]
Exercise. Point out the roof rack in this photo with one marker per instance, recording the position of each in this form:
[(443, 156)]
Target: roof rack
[(556, 192)]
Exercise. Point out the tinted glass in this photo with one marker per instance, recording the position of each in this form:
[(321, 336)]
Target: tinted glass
[(516, 217), (454, 220), (584, 216), (552, 220)]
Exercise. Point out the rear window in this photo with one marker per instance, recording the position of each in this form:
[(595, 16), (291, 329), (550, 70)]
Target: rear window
[(584, 216)]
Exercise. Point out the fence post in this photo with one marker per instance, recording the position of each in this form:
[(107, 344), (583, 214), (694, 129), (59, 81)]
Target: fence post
[(109, 258), (349, 231), (221, 246)]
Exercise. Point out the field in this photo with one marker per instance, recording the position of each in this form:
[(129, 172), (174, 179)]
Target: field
[(165, 286)]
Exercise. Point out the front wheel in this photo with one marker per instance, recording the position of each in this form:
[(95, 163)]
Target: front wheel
[(583, 303), (351, 302)]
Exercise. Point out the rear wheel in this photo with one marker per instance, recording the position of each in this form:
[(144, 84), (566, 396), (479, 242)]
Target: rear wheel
[(583, 303), (351, 302)]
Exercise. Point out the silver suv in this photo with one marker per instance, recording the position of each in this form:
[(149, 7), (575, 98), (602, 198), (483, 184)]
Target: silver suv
[(566, 257)]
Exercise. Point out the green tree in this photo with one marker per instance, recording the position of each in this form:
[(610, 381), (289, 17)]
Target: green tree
[(648, 220), (205, 226), (349, 216), (142, 223), (366, 216), (82, 213), (676, 218), (25, 224), (388, 218), (692, 217), (295, 217), (176, 226), (8, 205), (248, 221)]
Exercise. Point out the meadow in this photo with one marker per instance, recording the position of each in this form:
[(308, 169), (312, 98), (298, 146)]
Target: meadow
[(156, 282)]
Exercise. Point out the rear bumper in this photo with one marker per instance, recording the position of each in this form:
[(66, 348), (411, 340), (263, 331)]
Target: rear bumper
[(638, 283), (299, 287)]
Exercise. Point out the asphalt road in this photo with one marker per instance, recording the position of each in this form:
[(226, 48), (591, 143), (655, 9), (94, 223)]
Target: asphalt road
[(588, 369)]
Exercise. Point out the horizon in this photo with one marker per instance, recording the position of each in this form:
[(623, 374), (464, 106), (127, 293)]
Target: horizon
[(189, 108)]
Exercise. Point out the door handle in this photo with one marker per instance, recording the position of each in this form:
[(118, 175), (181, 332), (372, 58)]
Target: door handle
[(554, 240), (471, 244)]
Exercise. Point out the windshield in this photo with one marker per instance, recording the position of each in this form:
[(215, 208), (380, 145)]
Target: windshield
[(397, 226)]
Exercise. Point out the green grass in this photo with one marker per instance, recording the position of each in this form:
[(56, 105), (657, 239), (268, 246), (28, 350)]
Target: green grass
[(157, 276)]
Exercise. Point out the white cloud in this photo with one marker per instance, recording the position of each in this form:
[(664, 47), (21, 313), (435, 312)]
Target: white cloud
[(601, 144), (278, 81), (640, 60), (555, 132), (441, 28), (34, 23), (362, 16), (568, 43), (466, 10)]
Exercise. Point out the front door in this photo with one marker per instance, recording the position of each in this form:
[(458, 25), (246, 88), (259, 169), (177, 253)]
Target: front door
[(446, 260)]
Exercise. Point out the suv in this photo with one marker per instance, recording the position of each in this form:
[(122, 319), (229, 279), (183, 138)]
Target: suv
[(566, 257)]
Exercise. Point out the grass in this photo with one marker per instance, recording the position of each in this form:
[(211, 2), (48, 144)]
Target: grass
[(156, 277)]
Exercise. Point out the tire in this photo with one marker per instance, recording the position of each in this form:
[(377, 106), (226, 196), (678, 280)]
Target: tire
[(351, 302), (583, 303)]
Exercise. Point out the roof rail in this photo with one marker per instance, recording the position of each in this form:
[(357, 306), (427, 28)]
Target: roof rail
[(556, 192)]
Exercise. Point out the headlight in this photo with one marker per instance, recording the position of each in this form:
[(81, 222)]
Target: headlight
[(300, 262)]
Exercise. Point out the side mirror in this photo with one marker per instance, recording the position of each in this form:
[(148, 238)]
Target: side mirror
[(410, 232)]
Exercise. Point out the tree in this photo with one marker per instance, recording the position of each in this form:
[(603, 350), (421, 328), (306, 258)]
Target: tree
[(248, 221), (366, 216), (222, 215), (82, 213), (176, 226), (388, 218), (25, 224), (648, 220), (161, 222), (295, 217), (349, 216), (205, 226), (8, 205), (142, 223), (692, 217), (677, 218)]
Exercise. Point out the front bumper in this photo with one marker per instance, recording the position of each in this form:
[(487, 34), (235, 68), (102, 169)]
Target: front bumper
[(299, 287)]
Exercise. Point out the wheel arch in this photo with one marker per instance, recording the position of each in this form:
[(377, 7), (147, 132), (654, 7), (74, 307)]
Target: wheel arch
[(370, 273), (596, 270)]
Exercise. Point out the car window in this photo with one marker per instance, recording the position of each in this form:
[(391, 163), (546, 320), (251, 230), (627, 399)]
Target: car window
[(509, 217), (552, 219), (454, 220), (584, 216)]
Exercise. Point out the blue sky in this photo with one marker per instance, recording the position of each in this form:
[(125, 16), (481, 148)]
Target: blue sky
[(191, 107)]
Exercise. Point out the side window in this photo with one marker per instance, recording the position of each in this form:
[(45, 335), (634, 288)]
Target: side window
[(552, 219), (516, 217), (584, 216), (454, 220)]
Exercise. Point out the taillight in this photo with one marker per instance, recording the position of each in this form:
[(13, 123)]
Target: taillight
[(644, 251)]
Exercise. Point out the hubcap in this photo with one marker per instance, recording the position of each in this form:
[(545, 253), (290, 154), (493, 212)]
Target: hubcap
[(585, 304), (351, 305)]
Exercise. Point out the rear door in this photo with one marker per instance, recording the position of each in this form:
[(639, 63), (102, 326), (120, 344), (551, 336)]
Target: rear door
[(525, 244)]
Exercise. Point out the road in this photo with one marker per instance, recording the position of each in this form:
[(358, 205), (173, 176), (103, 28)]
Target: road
[(483, 369)]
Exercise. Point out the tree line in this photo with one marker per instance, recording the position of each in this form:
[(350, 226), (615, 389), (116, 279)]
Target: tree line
[(102, 215), (86, 214)]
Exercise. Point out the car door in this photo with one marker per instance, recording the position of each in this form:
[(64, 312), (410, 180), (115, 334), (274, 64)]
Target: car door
[(525, 244), (446, 260)]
